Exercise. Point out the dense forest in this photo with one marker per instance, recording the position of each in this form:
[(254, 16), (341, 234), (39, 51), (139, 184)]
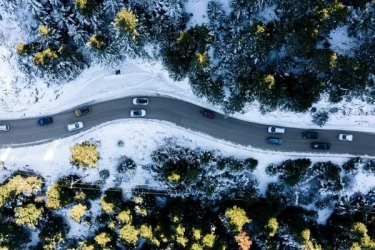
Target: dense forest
[(235, 58), (205, 201)]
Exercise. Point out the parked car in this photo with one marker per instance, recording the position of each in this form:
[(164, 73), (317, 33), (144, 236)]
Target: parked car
[(321, 145), (75, 126), (273, 140), (276, 130), (207, 113), (309, 135), (345, 137), (4, 127), (82, 111), (140, 101), (45, 121), (137, 113)]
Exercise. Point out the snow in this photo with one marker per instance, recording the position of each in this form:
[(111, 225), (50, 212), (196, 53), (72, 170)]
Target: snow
[(198, 10), (341, 42), (267, 14)]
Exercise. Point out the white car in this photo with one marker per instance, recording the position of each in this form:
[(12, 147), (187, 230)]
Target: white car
[(345, 137), (276, 130), (140, 101), (4, 127), (137, 113), (75, 126)]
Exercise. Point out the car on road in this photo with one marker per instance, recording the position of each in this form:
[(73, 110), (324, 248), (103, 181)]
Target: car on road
[(309, 135), (140, 101), (4, 127), (273, 140), (45, 121), (137, 113), (207, 113), (75, 126), (321, 145), (82, 111), (345, 137), (276, 130)]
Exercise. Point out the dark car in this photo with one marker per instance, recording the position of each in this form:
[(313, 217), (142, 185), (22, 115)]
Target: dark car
[(207, 113), (321, 145), (82, 111), (309, 135), (45, 121), (273, 140)]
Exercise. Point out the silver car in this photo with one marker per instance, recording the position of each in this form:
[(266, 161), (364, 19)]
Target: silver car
[(138, 113), (75, 126), (4, 127)]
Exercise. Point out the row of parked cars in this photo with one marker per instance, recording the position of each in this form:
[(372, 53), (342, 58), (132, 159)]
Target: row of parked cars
[(306, 135)]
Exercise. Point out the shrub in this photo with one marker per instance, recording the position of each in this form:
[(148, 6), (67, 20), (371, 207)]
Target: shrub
[(251, 163), (104, 174), (84, 155), (120, 143), (126, 164), (320, 118)]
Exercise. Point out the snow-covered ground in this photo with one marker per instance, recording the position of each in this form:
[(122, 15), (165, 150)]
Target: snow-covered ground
[(20, 97)]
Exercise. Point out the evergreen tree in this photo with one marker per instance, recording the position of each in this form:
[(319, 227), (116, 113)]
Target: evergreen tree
[(320, 118)]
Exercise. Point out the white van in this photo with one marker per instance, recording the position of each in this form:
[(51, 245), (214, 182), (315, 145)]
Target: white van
[(276, 130)]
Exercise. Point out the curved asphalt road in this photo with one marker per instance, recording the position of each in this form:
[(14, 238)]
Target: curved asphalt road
[(26, 131)]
